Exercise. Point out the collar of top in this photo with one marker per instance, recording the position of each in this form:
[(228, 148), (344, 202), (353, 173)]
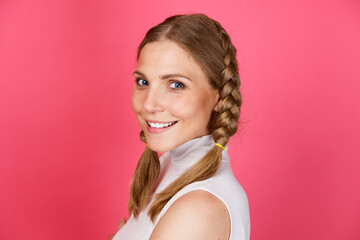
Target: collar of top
[(185, 155)]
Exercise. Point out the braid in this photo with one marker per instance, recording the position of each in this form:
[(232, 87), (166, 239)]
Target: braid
[(226, 122), (144, 178)]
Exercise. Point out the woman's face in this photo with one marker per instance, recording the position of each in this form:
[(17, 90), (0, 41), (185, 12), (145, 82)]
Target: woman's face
[(172, 97)]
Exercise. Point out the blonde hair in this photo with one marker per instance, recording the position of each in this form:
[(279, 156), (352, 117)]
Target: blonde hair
[(210, 45)]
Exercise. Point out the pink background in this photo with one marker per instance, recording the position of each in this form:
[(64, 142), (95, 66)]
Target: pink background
[(69, 140)]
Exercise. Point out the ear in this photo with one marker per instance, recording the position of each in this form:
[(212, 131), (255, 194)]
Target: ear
[(217, 105)]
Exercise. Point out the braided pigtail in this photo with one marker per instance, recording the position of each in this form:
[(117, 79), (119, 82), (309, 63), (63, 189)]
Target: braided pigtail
[(144, 178), (225, 122)]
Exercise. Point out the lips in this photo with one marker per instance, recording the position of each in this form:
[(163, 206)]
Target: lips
[(160, 124), (159, 127)]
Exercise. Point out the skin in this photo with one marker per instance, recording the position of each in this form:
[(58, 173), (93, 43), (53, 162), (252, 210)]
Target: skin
[(170, 86), (197, 215), (189, 100)]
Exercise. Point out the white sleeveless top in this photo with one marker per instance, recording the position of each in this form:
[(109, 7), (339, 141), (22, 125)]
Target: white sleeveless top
[(223, 185)]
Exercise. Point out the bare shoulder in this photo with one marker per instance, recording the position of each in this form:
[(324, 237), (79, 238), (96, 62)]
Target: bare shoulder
[(195, 215)]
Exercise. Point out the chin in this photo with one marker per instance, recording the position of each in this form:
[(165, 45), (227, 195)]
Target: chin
[(163, 142), (159, 148)]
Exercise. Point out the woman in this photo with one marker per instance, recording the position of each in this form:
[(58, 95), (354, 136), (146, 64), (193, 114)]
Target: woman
[(187, 101)]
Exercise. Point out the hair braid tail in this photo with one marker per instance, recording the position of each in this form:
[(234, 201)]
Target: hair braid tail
[(143, 180), (226, 123)]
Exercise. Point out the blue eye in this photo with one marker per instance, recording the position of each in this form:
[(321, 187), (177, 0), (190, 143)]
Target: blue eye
[(176, 85), (142, 82)]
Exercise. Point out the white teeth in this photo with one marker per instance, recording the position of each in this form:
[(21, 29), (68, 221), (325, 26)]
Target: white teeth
[(160, 125)]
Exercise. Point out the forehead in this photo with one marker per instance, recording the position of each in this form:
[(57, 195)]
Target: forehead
[(162, 57)]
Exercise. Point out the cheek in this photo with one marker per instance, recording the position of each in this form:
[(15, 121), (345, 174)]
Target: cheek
[(136, 101), (189, 107)]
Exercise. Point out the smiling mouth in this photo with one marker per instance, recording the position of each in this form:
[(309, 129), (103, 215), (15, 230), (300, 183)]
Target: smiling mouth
[(160, 125)]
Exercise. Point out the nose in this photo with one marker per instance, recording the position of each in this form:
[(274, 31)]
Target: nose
[(153, 101)]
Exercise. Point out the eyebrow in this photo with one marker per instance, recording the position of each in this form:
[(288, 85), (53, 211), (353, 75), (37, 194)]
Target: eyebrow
[(166, 76)]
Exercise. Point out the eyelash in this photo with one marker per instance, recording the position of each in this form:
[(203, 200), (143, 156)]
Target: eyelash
[(137, 80), (183, 85)]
